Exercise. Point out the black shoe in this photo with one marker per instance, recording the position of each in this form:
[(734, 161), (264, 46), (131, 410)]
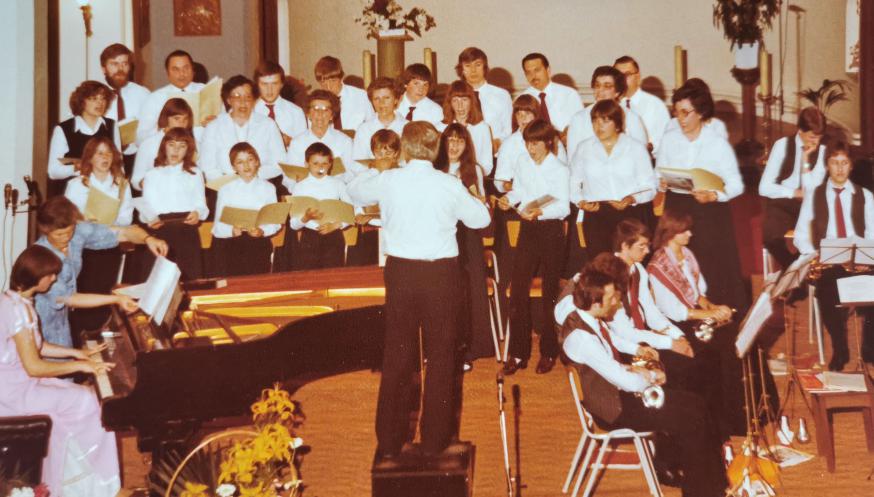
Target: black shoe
[(514, 364), (669, 477), (545, 365), (838, 362)]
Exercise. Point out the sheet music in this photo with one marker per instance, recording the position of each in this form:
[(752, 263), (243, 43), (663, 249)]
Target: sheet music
[(843, 250), (752, 323), (856, 289), (793, 276), (155, 294)]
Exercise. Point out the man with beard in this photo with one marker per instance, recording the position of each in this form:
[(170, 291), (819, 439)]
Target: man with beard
[(117, 64)]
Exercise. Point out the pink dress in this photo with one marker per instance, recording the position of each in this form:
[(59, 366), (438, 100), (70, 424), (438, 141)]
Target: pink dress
[(82, 458)]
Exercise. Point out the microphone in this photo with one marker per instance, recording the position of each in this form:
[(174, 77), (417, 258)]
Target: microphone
[(7, 195), (14, 200), (33, 194)]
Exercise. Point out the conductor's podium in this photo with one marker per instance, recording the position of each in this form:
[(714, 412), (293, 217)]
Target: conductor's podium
[(448, 475)]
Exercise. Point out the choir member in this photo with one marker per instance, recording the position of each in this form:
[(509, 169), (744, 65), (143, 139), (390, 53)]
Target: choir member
[(82, 458), (541, 242), (321, 244), (240, 251), (611, 388), (353, 104), (116, 62), (711, 123), (796, 166), (460, 106), (175, 189), (420, 209), (320, 112), (180, 73), (456, 156), (65, 233), (558, 103), (837, 208), (240, 124), (88, 103), (495, 103), (383, 94), (608, 84), (101, 169), (694, 145), (611, 176), (415, 104), (289, 118), (175, 114), (651, 109)]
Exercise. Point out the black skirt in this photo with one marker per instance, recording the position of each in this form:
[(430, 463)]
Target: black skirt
[(183, 241), (241, 255), (600, 226)]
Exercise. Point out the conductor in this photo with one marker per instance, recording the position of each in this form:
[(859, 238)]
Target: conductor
[(420, 207)]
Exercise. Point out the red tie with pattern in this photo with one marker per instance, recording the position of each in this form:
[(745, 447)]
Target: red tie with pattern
[(634, 291), (270, 112), (606, 334), (544, 110), (839, 214)]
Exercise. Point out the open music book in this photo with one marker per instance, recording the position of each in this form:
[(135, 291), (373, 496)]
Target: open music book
[(157, 292), (204, 103), (127, 130), (843, 250), (221, 181), (332, 210), (602, 198), (298, 173), (100, 207), (248, 219), (686, 180), (538, 203)]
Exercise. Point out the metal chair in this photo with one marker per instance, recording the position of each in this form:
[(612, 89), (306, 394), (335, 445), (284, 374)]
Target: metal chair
[(605, 443)]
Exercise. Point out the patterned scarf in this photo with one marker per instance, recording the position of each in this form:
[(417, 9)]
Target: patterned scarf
[(665, 267)]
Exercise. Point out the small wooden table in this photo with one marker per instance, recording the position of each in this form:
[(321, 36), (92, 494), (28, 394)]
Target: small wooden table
[(825, 404)]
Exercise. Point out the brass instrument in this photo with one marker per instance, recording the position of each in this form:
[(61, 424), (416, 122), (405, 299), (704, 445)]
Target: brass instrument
[(816, 268), (705, 329), (653, 396)]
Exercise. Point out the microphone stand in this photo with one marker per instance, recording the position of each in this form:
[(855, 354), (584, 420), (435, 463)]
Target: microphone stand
[(517, 411), (504, 442)]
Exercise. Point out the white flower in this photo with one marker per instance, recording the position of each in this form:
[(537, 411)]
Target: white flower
[(296, 443), (225, 490), (22, 492)]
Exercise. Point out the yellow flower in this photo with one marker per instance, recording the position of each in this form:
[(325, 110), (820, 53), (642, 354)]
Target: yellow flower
[(194, 490)]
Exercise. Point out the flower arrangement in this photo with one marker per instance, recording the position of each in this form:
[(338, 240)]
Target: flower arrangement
[(384, 15), (12, 488), (262, 464)]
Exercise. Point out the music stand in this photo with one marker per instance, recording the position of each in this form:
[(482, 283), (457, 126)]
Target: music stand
[(855, 292)]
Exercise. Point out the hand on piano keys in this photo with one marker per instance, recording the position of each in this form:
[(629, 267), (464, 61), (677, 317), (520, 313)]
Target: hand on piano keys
[(94, 364)]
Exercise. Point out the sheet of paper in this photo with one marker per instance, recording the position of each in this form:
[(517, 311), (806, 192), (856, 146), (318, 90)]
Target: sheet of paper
[(157, 290), (846, 382), (856, 289), (100, 207), (793, 276), (752, 323), (127, 130), (210, 99), (336, 210), (221, 181)]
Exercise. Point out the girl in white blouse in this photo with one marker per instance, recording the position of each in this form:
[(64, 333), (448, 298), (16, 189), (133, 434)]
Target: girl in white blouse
[(320, 244), (238, 251), (174, 201), (461, 106), (175, 114)]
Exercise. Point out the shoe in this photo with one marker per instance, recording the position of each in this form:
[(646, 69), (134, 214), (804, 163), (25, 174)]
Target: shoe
[(838, 362), (467, 366), (545, 365), (514, 364)]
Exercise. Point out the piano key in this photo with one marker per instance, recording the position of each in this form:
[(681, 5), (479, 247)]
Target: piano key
[(104, 386)]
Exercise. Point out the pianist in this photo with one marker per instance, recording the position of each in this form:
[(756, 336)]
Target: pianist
[(65, 234), (30, 387)]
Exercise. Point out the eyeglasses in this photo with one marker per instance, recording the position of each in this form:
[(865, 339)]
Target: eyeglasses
[(325, 79), (321, 108), (241, 98), (632, 73), (684, 113)]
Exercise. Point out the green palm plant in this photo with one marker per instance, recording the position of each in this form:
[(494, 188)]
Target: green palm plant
[(744, 21), (831, 92)]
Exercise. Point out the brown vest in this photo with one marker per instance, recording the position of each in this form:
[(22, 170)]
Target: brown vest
[(819, 225), (600, 397), (788, 164)]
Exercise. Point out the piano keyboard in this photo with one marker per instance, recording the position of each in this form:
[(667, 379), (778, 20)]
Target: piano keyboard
[(104, 386)]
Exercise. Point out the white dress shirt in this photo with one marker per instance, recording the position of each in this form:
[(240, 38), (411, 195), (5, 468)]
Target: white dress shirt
[(148, 151), (497, 107), (223, 133), (768, 186), (580, 128), (714, 124), (58, 146), (289, 117), (420, 208), (361, 143), (355, 107), (802, 239), (708, 151), (153, 105), (532, 181), (324, 188), (596, 176), (508, 155), (594, 351), (77, 192), (169, 189), (425, 110), (238, 193), (454, 168), (654, 113), (134, 96), (562, 102), (668, 303), (340, 145)]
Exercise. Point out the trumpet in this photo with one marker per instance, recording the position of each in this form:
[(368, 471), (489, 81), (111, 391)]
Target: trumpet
[(653, 396), (704, 330), (816, 268)]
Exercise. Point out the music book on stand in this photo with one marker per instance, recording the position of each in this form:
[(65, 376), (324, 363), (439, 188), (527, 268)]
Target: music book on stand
[(157, 292)]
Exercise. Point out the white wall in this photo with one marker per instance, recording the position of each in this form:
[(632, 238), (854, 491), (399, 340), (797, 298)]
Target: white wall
[(17, 52)]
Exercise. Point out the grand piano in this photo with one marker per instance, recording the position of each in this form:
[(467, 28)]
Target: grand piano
[(230, 341)]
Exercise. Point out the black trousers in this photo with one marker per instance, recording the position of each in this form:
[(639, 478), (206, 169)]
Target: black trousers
[(315, 251), (575, 255), (241, 255), (835, 318), (781, 214), (366, 251), (183, 241), (692, 436), (599, 226), (419, 293), (540, 243)]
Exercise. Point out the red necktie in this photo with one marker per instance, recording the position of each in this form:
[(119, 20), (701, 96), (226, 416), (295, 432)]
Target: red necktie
[(634, 291), (479, 104), (338, 123), (270, 113), (544, 110), (120, 105), (839, 214), (410, 113), (606, 334)]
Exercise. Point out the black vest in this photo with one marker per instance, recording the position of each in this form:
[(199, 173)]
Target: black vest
[(76, 141), (600, 397), (819, 225), (788, 164)]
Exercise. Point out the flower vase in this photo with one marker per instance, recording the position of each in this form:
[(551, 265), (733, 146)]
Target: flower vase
[(390, 52)]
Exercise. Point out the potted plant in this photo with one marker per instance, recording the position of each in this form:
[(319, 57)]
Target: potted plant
[(831, 92), (386, 21), (742, 23)]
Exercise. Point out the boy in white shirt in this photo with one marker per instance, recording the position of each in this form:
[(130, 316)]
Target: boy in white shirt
[(353, 105), (415, 104)]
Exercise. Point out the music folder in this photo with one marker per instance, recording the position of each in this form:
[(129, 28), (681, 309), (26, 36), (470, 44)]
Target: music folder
[(205, 102), (687, 180), (100, 207), (248, 219), (127, 131), (332, 210)]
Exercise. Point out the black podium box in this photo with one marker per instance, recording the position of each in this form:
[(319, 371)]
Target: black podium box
[(412, 475)]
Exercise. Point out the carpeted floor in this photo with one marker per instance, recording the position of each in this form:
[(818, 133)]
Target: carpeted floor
[(340, 419)]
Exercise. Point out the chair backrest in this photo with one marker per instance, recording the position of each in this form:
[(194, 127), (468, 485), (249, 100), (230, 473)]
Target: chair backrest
[(577, 392)]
